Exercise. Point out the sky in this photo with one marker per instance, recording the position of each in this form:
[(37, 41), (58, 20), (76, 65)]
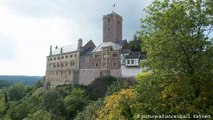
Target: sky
[(29, 27)]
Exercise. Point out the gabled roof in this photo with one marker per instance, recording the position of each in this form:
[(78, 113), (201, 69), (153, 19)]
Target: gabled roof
[(88, 48), (114, 45)]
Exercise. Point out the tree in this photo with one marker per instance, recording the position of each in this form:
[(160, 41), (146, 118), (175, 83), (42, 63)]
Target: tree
[(90, 112), (75, 102), (116, 86), (99, 86), (53, 103), (135, 44), (39, 115), (39, 83), (176, 36), (179, 53), (118, 106), (16, 92)]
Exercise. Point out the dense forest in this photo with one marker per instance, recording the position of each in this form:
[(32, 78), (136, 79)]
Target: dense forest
[(177, 38)]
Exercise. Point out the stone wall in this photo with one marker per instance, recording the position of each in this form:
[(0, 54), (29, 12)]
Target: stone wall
[(86, 76), (61, 69)]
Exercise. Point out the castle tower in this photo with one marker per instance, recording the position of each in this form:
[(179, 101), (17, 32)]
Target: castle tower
[(112, 27)]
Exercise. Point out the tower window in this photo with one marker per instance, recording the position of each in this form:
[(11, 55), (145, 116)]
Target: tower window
[(108, 19), (114, 64)]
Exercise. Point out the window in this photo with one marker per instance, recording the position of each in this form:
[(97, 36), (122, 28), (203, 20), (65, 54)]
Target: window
[(69, 72), (62, 65), (104, 65), (128, 61), (66, 56), (108, 19), (62, 57), (114, 64), (54, 58), (51, 59), (70, 56), (96, 56), (108, 29), (58, 65), (132, 62), (118, 22), (96, 64), (75, 55), (115, 55), (58, 58)]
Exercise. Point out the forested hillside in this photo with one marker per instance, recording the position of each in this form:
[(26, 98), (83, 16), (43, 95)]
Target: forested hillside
[(4, 83), (27, 80)]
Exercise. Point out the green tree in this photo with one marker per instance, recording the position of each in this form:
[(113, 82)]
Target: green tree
[(53, 103), (176, 36), (40, 83), (116, 86), (16, 92), (75, 102), (179, 53), (99, 86), (39, 115), (90, 112), (135, 44)]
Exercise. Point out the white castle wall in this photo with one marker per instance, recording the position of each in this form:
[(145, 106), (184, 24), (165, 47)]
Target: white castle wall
[(130, 71)]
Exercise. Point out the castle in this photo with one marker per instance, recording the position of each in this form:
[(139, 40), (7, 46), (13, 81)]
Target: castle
[(81, 64)]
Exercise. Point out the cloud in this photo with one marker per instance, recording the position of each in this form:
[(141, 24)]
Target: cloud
[(30, 39), (29, 27)]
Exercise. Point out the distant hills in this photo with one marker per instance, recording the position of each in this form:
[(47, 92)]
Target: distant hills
[(7, 80)]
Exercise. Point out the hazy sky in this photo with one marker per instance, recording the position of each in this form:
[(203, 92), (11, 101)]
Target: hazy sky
[(29, 27)]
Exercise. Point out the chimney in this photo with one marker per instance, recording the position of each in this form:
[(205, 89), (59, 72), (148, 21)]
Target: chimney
[(61, 50), (79, 43), (50, 50), (56, 47)]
